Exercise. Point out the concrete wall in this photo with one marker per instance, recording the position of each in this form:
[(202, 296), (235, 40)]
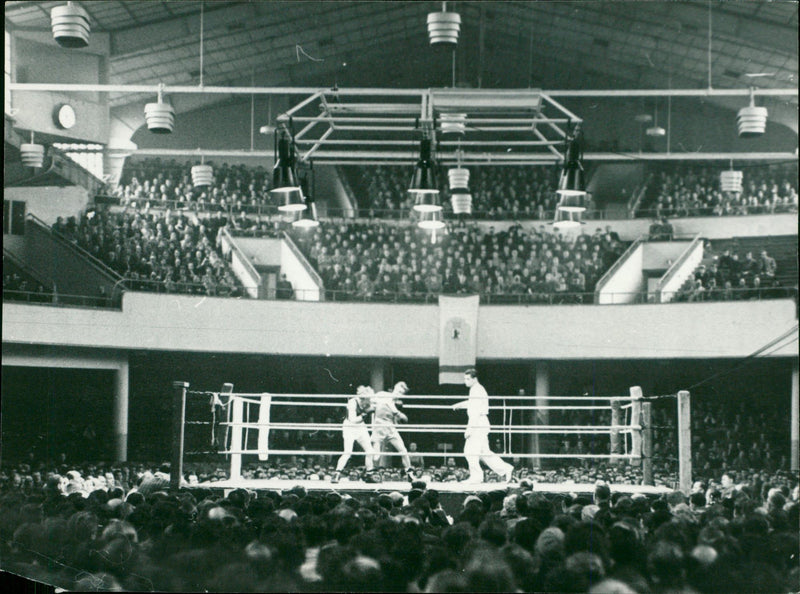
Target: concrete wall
[(305, 282), (626, 282), (210, 324), (48, 203), (659, 255), (40, 60)]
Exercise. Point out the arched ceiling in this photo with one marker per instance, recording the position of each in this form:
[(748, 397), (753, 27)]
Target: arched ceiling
[(551, 45)]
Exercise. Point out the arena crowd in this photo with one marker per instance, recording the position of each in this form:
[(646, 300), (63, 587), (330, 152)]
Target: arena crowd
[(384, 261), (90, 530), (694, 190)]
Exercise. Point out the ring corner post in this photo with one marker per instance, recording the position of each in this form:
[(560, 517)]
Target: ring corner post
[(178, 422), (684, 442), (636, 425), (616, 421), (647, 443)]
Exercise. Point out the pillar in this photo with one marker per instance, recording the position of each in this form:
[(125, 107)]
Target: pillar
[(795, 436), (376, 375), (120, 416), (542, 444), (647, 443), (178, 420), (684, 442)]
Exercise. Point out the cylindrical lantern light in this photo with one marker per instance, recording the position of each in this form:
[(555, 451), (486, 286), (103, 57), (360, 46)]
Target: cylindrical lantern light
[(731, 181), (453, 123), (444, 27), (460, 196), (70, 24), (160, 116), (202, 175), (31, 154), (751, 120)]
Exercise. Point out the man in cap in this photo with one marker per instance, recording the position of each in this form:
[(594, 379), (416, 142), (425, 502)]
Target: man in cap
[(354, 429), (384, 429)]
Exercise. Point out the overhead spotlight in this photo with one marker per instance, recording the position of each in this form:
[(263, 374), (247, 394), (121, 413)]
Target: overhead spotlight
[(70, 25), (285, 183), (655, 130), (751, 120), (307, 218), (731, 181), (160, 116), (431, 220), (424, 187), (31, 154), (572, 182), (444, 27), (460, 197), (567, 219)]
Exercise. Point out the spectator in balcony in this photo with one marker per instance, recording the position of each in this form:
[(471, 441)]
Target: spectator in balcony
[(284, 288)]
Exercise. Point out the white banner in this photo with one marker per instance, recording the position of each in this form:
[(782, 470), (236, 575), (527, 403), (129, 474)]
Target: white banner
[(458, 336)]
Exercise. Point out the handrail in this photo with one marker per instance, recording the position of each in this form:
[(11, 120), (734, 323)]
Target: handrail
[(57, 299), (678, 263), (615, 266), (348, 189), (101, 266), (304, 261), (636, 197), (30, 271)]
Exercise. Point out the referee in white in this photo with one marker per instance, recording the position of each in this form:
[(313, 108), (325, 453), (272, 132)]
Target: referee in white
[(476, 444)]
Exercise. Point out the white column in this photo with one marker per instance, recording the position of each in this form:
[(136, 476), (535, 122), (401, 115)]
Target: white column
[(540, 443), (376, 375), (120, 417), (795, 444), (684, 442)]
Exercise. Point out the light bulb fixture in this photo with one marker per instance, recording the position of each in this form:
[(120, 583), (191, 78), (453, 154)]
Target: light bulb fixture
[(444, 27), (460, 196), (307, 218), (285, 183), (31, 154), (751, 121), (431, 220), (731, 180), (160, 116), (424, 187), (202, 174), (70, 25), (572, 181), (655, 130), (567, 219), (453, 123)]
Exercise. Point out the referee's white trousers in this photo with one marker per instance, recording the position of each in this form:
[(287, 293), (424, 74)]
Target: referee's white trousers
[(351, 434), (476, 450)]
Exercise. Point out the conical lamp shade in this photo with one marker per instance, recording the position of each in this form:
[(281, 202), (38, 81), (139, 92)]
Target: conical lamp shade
[(308, 217)]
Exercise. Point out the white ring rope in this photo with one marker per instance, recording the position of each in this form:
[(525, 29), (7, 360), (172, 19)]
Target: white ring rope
[(254, 397), (436, 406), (593, 429), (425, 454)]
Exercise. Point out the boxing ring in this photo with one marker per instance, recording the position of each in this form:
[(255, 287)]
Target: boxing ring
[(245, 429)]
